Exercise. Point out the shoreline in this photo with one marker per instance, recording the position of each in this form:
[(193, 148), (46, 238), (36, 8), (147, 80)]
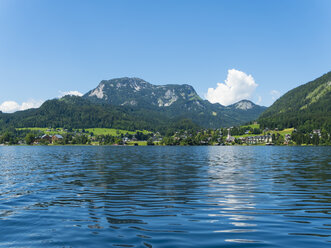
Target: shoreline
[(24, 145)]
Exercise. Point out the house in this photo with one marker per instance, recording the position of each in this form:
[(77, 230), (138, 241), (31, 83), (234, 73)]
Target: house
[(287, 139), (257, 139), (46, 137), (56, 137), (317, 131), (230, 139)]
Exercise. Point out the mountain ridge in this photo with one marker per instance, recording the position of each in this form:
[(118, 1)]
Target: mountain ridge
[(136, 91), (172, 99), (134, 103)]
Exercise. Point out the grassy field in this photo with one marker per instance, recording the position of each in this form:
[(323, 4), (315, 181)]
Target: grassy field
[(44, 130), (282, 132), (140, 143), (252, 126), (95, 131), (111, 131)]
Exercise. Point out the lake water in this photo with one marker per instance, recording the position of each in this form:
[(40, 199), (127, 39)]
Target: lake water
[(236, 196)]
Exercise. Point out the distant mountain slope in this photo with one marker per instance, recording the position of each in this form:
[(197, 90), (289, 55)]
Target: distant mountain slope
[(77, 112), (306, 107), (244, 111), (132, 103)]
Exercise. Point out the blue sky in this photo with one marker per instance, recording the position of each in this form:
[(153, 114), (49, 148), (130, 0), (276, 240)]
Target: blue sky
[(49, 47)]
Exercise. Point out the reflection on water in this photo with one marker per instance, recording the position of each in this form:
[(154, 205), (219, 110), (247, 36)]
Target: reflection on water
[(165, 196)]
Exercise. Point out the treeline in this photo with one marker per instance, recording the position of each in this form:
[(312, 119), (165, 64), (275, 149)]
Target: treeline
[(191, 138), (304, 122), (183, 137), (13, 137), (311, 138)]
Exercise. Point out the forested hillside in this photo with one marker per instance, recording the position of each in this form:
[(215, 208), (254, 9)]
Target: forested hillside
[(76, 112), (306, 107)]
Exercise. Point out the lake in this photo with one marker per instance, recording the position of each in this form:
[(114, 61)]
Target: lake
[(235, 196)]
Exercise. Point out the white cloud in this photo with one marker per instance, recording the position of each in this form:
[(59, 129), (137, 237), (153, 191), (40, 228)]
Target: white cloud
[(237, 86), (9, 106), (275, 94), (259, 100), (71, 93), (12, 106)]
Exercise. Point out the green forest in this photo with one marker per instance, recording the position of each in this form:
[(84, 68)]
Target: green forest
[(305, 108)]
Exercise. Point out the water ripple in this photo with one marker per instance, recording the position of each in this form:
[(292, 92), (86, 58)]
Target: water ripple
[(165, 196)]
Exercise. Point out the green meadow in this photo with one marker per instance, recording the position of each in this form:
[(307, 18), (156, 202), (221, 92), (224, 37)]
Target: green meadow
[(251, 126), (112, 131), (95, 131)]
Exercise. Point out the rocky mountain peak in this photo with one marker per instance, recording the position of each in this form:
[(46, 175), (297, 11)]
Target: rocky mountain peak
[(98, 92), (133, 83), (244, 105), (138, 92)]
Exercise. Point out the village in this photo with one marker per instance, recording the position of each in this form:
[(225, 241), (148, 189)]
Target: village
[(244, 135), (201, 137)]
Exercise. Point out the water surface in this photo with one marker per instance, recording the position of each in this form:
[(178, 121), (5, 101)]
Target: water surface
[(165, 196)]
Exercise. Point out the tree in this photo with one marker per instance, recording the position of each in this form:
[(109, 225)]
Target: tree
[(150, 142), (29, 138), (315, 139)]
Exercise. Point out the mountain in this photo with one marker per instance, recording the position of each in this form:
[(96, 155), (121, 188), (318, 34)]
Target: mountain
[(132, 103), (137, 92), (306, 107), (245, 110), (173, 100)]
